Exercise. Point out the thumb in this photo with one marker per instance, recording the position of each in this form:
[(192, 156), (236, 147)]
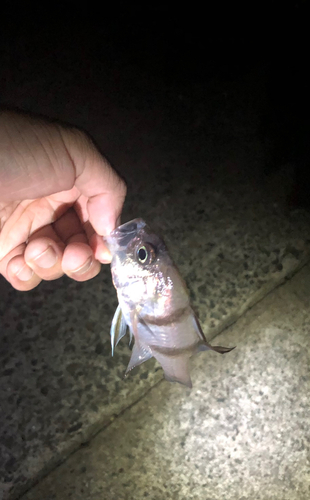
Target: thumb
[(97, 181)]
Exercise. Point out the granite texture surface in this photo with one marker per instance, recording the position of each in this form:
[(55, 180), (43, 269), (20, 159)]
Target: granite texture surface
[(193, 160), (242, 432)]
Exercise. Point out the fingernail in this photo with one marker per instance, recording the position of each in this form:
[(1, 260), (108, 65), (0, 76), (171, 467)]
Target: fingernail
[(84, 268), (25, 273), (112, 226), (46, 259)]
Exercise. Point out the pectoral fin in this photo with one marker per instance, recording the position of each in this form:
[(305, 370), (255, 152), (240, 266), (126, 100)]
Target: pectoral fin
[(118, 328)]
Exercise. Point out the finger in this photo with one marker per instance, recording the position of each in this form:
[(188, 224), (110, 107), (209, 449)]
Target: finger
[(17, 272), (78, 262), (103, 215), (100, 250), (44, 256), (97, 181), (72, 228), (29, 217), (69, 228)]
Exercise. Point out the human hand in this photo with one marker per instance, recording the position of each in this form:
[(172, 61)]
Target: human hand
[(58, 197)]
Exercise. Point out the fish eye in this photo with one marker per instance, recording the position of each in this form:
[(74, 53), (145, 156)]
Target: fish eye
[(145, 254), (142, 254)]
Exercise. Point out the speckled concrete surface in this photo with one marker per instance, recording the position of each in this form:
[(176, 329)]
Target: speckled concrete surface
[(242, 432), (193, 161)]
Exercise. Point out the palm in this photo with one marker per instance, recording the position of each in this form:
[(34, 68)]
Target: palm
[(28, 219)]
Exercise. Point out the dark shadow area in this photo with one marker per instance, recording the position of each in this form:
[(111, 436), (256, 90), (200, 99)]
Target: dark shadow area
[(142, 55)]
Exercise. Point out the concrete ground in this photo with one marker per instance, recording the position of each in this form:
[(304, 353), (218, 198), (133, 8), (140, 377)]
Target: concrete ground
[(186, 136), (242, 432)]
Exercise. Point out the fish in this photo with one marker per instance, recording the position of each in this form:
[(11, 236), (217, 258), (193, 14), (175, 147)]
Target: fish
[(153, 303)]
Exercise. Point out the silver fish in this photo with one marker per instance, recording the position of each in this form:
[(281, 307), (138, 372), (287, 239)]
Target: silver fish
[(153, 303)]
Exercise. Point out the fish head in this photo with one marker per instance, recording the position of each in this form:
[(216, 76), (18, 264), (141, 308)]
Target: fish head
[(142, 270), (136, 252)]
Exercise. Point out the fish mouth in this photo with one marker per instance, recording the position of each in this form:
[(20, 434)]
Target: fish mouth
[(131, 226), (123, 234)]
